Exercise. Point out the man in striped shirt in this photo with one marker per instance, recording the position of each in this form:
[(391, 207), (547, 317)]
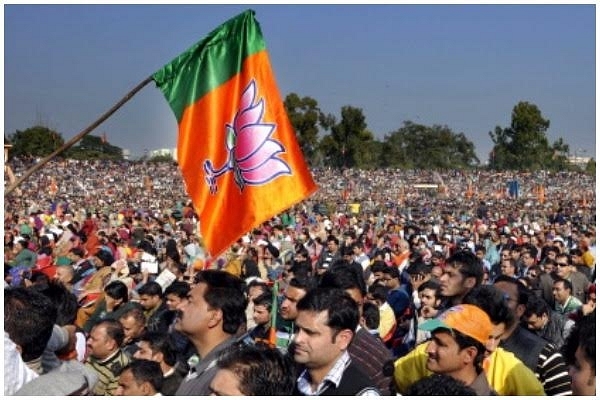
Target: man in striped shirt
[(539, 355)]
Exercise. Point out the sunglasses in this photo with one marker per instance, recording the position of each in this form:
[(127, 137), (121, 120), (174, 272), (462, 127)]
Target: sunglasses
[(562, 265)]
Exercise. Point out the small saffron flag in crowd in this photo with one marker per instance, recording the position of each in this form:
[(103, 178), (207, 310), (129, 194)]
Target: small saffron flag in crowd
[(237, 151)]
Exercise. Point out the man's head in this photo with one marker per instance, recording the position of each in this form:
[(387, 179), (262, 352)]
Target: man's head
[(480, 251), (262, 308), (347, 279), (326, 322), (157, 346), (106, 337), (140, 378), (563, 265), (29, 317), (175, 293), (377, 295), (561, 290), (216, 303), (463, 272), (333, 244), (116, 293), (377, 269), (459, 337), (515, 293), (253, 371), (419, 273), (579, 351), (150, 295), (293, 293), (508, 267), (552, 252), (537, 313), (134, 323), (429, 294), (391, 278), (255, 288), (528, 258)]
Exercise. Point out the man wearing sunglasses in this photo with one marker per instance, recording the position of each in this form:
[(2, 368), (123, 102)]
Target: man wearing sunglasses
[(566, 270)]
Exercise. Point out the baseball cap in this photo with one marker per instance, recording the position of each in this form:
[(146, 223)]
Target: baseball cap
[(464, 318)]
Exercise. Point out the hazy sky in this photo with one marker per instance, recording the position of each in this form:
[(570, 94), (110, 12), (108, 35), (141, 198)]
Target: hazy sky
[(463, 66)]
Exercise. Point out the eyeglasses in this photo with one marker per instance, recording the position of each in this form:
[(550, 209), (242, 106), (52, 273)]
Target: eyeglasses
[(508, 298)]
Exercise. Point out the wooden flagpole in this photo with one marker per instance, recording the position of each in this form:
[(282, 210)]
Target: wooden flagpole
[(79, 136)]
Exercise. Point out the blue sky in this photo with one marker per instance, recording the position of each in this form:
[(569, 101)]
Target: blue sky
[(464, 66)]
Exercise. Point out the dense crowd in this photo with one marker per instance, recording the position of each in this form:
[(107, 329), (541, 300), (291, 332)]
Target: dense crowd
[(382, 282)]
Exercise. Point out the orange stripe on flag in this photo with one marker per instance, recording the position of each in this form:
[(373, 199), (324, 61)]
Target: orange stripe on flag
[(239, 155)]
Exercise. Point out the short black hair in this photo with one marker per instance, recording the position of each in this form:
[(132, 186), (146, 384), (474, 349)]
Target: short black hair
[(180, 289), (536, 305), (161, 342), (371, 315), (523, 292), (469, 265), (439, 385), (343, 277), (265, 299), (491, 300), (114, 330), (64, 301), (566, 284), (303, 282), (261, 370), (378, 266), (583, 335), (117, 290), (146, 371), (106, 257), (342, 310), (29, 318), (151, 289), (225, 292), (432, 285), (379, 292)]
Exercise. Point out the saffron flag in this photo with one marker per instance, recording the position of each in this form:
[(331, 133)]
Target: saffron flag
[(237, 151)]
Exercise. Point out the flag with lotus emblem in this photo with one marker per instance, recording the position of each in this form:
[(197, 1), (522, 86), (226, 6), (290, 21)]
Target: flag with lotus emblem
[(236, 149)]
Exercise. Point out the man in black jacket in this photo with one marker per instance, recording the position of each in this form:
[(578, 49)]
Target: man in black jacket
[(327, 320)]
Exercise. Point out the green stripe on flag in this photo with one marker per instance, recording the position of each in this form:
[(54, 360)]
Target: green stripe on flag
[(209, 63)]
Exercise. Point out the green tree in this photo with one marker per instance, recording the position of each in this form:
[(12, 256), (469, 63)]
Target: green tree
[(590, 167), (350, 142), (94, 147), (524, 145), (428, 147), (304, 114), (37, 141)]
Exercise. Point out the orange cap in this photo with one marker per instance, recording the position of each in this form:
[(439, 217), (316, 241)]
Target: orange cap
[(467, 319)]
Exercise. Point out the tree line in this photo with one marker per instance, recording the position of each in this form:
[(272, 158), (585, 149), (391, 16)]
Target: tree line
[(346, 142)]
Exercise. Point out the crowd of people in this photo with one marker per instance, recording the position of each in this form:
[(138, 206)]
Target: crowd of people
[(383, 282)]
